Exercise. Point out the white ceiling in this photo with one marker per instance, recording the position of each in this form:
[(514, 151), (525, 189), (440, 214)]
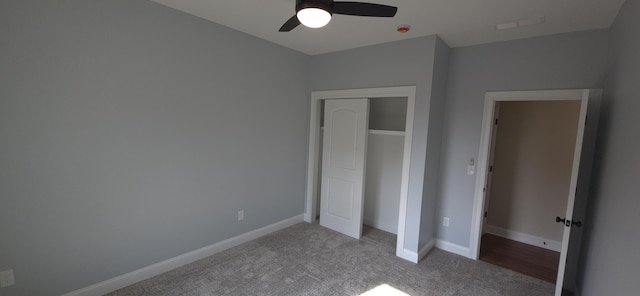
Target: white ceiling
[(457, 22)]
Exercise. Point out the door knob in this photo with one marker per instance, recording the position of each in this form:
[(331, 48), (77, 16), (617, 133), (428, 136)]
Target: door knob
[(564, 221), (569, 223)]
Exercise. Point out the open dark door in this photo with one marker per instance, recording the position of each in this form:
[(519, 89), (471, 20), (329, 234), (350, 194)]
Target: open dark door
[(578, 221)]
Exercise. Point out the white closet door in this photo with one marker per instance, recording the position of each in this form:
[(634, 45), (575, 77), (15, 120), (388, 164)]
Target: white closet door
[(343, 165)]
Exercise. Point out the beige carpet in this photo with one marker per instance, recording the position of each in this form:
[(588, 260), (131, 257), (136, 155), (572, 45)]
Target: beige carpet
[(307, 259)]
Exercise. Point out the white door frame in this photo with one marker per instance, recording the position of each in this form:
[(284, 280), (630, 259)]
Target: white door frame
[(408, 92), (492, 148), (491, 98)]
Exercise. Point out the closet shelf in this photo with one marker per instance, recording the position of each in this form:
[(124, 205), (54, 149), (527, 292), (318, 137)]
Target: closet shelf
[(380, 132), (386, 132)]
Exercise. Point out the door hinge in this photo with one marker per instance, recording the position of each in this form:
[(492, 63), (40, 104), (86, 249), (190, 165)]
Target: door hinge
[(484, 189), (496, 121), (485, 214), (490, 168)]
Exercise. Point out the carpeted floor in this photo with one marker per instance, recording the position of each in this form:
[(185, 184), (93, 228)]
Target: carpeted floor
[(306, 259)]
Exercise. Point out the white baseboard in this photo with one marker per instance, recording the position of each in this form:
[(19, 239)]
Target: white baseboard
[(453, 248), (426, 249), (414, 257), (180, 260), (408, 255), (524, 238)]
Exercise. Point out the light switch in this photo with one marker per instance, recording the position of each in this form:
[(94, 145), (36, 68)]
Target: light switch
[(471, 169)]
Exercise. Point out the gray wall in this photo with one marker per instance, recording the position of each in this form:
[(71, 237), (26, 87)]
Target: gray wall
[(611, 260), (434, 143), (573, 60), (132, 133), (407, 62)]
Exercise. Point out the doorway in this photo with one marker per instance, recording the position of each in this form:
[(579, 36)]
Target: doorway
[(579, 180), (529, 175), (408, 93)]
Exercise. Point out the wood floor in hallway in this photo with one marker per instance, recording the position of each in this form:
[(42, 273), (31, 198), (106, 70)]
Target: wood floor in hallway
[(527, 259)]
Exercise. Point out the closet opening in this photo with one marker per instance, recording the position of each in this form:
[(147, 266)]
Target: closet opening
[(387, 153), (385, 143)]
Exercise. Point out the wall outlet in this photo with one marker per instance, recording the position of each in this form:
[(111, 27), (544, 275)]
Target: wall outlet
[(6, 278), (240, 215), (445, 221)]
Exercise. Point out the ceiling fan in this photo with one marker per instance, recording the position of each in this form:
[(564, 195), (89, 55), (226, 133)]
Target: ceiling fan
[(317, 13)]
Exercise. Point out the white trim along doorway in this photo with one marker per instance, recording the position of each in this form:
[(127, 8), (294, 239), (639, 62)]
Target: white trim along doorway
[(408, 92)]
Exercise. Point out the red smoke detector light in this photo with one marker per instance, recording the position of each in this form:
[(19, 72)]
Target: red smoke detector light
[(404, 28)]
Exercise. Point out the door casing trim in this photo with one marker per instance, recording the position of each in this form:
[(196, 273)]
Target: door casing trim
[(491, 98)]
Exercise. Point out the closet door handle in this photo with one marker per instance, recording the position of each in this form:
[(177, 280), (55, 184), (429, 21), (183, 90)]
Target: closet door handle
[(576, 224)]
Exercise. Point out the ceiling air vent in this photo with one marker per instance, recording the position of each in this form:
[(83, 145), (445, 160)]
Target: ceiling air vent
[(520, 23)]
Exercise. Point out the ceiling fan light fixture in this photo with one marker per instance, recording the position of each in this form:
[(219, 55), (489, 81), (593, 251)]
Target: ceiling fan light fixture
[(314, 17), (317, 13)]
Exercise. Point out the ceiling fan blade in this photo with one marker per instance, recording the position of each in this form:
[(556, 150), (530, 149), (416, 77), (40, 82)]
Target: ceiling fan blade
[(291, 24), (364, 9)]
